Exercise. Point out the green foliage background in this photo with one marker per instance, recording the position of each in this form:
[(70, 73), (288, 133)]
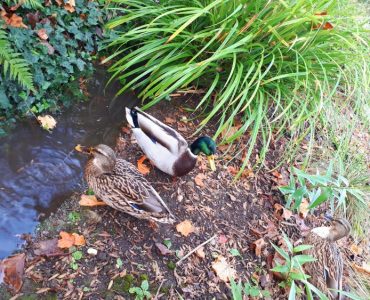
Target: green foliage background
[(56, 67)]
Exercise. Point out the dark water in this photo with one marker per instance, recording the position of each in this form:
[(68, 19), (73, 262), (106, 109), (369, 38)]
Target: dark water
[(38, 170)]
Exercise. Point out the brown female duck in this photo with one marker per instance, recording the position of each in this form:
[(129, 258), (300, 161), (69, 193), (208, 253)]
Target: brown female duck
[(119, 184), (326, 272)]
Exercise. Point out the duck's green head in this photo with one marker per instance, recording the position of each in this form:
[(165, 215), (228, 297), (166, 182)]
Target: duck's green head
[(205, 145)]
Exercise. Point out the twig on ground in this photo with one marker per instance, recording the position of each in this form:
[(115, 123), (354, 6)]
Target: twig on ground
[(159, 288), (196, 248)]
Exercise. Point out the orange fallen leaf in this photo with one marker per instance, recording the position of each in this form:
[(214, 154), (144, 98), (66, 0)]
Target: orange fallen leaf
[(200, 252), (14, 20), (281, 212), (223, 270), (70, 6), (90, 200), (12, 269), (67, 240), (185, 228), (42, 34), (143, 168), (199, 179), (258, 245), (79, 239)]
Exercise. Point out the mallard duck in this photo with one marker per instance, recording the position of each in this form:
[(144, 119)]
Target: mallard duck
[(119, 184), (165, 147), (326, 272)]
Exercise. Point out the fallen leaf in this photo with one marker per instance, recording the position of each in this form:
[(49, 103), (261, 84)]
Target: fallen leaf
[(70, 6), (90, 200), (12, 269), (68, 240), (14, 20), (143, 168), (277, 174), (223, 270), (47, 248), (47, 122), (355, 249), (229, 132), (185, 228), (281, 212), (222, 239), (42, 34), (163, 249), (303, 208), (258, 245), (200, 252), (59, 2), (79, 239), (199, 179)]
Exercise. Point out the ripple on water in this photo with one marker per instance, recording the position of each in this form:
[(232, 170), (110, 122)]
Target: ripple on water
[(38, 168)]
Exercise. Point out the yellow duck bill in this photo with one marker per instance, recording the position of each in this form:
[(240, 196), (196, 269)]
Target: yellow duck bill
[(211, 160)]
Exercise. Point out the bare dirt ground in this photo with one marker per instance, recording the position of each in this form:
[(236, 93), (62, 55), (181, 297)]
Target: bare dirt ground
[(237, 220)]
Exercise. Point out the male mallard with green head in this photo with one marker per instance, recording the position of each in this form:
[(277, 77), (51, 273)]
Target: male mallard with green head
[(119, 184), (165, 147), (327, 271)]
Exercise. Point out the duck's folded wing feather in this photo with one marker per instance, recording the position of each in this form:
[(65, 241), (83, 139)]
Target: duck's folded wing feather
[(161, 133)]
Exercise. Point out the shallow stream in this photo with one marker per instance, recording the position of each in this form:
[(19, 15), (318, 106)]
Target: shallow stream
[(38, 169)]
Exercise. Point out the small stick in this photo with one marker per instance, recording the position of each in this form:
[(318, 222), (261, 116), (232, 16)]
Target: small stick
[(156, 295), (195, 249)]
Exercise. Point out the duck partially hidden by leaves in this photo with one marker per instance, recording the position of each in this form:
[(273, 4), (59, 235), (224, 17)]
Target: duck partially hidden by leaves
[(327, 271), (118, 183), (165, 147)]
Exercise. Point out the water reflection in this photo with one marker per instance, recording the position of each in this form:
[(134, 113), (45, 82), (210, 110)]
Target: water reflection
[(39, 169)]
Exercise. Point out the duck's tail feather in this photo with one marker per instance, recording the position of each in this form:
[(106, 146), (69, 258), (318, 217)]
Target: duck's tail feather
[(131, 117)]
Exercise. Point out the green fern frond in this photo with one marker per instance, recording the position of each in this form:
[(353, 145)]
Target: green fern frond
[(13, 64)]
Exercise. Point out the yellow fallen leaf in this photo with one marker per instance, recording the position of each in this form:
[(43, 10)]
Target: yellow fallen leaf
[(185, 228), (357, 250), (47, 122), (90, 200), (222, 268)]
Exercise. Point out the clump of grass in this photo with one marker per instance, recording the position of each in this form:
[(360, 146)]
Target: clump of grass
[(273, 63)]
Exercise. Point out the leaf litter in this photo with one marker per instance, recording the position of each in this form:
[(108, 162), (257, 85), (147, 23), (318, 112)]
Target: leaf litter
[(241, 227)]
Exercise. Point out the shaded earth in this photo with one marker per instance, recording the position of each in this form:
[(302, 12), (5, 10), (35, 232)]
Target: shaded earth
[(238, 220)]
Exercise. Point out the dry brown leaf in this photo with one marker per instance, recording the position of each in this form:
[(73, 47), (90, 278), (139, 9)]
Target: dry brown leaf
[(303, 208), (12, 269), (14, 20), (258, 245), (281, 212), (200, 252), (70, 6), (47, 122), (222, 268), (185, 228), (42, 34), (90, 200), (48, 248), (229, 132), (143, 168), (59, 2), (199, 179), (163, 249)]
